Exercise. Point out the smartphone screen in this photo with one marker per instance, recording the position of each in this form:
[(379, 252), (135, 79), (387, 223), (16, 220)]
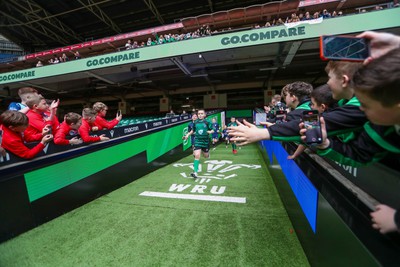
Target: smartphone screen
[(280, 116), (313, 126), (344, 48)]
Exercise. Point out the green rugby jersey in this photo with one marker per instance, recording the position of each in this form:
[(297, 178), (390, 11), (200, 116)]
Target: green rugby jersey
[(232, 124), (200, 129)]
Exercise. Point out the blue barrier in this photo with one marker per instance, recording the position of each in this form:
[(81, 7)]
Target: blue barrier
[(305, 192)]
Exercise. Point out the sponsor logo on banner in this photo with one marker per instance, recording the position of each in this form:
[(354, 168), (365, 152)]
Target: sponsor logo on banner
[(46, 148), (352, 170), (131, 129), (264, 35), (5, 158), (158, 123)]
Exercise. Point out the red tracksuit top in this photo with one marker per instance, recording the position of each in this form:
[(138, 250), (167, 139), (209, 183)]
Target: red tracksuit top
[(14, 143), (36, 125), (84, 131), (102, 123), (62, 132)]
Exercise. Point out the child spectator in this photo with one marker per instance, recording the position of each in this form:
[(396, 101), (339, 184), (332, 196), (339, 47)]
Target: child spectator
[(56, 60), (297, 97), (100, 121), (25, 93), (128, 44), (70, 126), (376, 85), (77, 55), (14, 124), (89, 117), (64, 58), (3, 152), (321, 100), (346, 118), (41, 122)]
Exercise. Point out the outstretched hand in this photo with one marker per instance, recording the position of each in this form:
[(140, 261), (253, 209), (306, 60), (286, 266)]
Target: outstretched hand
[(246, 133)]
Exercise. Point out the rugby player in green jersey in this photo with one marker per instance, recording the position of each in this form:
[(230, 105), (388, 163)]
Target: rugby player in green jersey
[(233, 123), (201, 130)]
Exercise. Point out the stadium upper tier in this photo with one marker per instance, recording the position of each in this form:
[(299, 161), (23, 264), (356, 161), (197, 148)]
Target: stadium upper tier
[(169, 55)]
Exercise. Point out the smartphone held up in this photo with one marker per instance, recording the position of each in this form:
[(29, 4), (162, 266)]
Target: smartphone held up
[(312, 124), (346, 48)]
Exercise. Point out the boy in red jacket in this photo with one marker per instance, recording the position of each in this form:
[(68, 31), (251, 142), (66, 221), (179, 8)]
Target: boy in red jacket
[(41, 122), (89, 116), (14, 124), (100, 121), (72, 122)]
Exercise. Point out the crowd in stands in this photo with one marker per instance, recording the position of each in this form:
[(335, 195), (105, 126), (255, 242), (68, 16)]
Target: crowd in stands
[(205, 31), (56, 59), (169, 38)]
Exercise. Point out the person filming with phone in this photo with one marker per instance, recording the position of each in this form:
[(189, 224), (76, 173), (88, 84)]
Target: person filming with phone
[(376, 85), (101, 123)]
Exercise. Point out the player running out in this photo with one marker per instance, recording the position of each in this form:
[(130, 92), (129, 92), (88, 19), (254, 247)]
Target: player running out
[(201, 129), (190, 127), (214, 135), (225, 136), (233, 123)]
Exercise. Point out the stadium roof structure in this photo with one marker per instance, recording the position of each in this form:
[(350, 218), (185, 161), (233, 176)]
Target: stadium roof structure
[(41, 24), (37, 25)]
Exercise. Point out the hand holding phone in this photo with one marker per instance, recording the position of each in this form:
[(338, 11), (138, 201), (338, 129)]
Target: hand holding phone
[(119, 115), (46, 139), (280, 116), (312, 125), (47, 130), (347, 48)]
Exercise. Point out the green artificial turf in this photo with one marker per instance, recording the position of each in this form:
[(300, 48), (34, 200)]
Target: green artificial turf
[(126, 229)]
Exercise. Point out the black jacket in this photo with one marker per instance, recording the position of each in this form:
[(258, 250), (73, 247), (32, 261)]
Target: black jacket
[(368, 146), (345, 118)]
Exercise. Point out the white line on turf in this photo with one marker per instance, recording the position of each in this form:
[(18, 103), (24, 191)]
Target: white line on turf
[(194, 197)]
